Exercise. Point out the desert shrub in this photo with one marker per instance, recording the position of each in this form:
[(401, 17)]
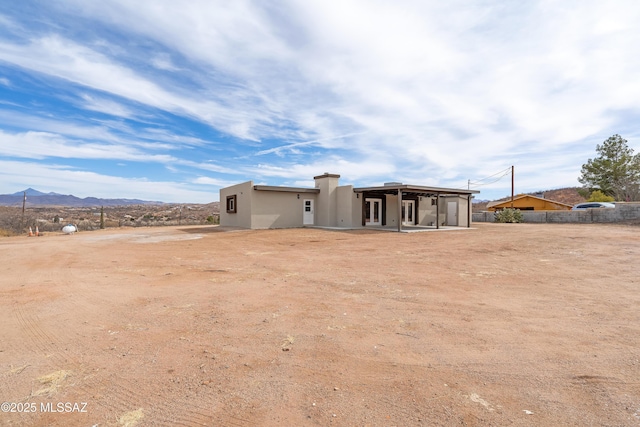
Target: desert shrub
[(6, 233), (508, 216)]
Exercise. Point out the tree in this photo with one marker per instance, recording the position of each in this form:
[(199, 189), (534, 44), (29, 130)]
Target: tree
[(615, 172)]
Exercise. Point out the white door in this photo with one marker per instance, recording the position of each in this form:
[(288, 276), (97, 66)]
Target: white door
[(307, 213), (408, 212), (452, 213), (373, 211)]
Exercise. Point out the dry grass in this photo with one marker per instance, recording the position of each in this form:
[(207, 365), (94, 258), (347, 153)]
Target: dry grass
[(131, 419), (6, 233), (51, 382)]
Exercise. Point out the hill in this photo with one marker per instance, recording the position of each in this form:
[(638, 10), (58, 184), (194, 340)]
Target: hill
[(38, 198)]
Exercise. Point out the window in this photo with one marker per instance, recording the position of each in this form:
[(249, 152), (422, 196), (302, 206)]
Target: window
[(231, 204)]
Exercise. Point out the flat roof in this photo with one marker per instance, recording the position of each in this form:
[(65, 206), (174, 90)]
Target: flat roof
[(285, 189), (407, 188)]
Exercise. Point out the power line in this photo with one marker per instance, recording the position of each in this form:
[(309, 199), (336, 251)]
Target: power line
[(497, 177)]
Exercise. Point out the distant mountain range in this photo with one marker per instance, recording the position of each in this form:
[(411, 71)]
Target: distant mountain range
[(38, 198)]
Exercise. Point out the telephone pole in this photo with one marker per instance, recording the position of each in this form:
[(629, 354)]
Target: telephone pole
[(24, 201), (511, 187)]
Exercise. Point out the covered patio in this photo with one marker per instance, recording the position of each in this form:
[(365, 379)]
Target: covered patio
[(408, 214)]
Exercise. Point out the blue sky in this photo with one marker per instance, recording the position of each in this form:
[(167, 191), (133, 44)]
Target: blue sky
[(171, 100)]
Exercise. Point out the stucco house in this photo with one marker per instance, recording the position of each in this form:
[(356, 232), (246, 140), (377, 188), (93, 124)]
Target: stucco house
[(328, 204), (528, 202)]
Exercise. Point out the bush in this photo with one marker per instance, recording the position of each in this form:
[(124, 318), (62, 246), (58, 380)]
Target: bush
[(599, 196), (508, 215)]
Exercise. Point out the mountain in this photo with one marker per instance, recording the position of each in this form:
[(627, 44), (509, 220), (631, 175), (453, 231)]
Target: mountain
[(31, 192), (38, 198)]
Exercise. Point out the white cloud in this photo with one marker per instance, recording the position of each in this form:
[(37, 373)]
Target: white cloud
[(65, 180), (40, 145), (106, 106), (423, 92)]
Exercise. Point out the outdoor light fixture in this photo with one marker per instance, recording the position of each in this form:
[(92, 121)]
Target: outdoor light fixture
[(298, 196)]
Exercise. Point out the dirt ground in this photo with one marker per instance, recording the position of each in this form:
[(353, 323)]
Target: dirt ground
[(498, 325)]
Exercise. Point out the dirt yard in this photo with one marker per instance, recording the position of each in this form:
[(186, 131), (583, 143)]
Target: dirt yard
[(499, 325)]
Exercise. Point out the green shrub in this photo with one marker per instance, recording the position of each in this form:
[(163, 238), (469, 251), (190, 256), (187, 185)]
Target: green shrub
[(599, 196), (508, 215)]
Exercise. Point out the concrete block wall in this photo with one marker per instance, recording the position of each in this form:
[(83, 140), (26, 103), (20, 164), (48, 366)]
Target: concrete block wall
[(624, 211)]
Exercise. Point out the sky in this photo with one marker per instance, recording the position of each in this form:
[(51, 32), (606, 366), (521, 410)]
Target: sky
[(172, 100)]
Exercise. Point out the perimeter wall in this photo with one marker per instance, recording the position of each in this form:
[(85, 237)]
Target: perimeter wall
[(623, 212)]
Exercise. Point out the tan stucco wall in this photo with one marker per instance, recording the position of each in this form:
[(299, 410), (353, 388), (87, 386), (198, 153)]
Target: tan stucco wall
[(426, 212), (275, 209), (349, 207), (242, 217), (326, 209), (463, 210), (392, 210)]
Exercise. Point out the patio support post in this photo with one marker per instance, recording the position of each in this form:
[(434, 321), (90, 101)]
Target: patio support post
[(438, 210), (399, 210)]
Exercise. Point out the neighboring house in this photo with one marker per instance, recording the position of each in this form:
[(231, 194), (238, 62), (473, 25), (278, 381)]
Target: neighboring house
[(527, 202), (329, 204)]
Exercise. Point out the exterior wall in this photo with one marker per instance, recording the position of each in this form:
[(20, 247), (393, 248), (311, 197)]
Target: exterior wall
[(426, 214), (463, 212), (326, 210), (462, 202), (278, 209), (622, 212), (242, 217), (426, 211), (392, 210), (349, 207)]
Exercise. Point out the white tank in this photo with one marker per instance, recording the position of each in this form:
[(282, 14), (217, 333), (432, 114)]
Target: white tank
[(69, 229)]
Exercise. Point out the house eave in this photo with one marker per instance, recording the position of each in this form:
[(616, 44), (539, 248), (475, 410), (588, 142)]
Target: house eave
[(419, 189), (285, 189)]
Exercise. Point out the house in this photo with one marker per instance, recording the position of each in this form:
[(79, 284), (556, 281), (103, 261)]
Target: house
[(328, 204), (527, 202)]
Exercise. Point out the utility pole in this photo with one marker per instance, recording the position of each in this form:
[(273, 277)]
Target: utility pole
[(24, 201), (511, 187)]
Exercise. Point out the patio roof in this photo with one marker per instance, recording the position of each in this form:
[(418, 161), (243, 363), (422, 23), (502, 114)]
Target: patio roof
[(415, 189)]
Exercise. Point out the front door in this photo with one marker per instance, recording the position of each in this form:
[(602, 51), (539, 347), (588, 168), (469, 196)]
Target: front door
[(452, 213), (307, 213), (408, 212), (373, 212)]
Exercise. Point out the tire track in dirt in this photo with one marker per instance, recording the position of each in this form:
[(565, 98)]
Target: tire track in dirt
[(114, 392), (49, 369), (42, 342)]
